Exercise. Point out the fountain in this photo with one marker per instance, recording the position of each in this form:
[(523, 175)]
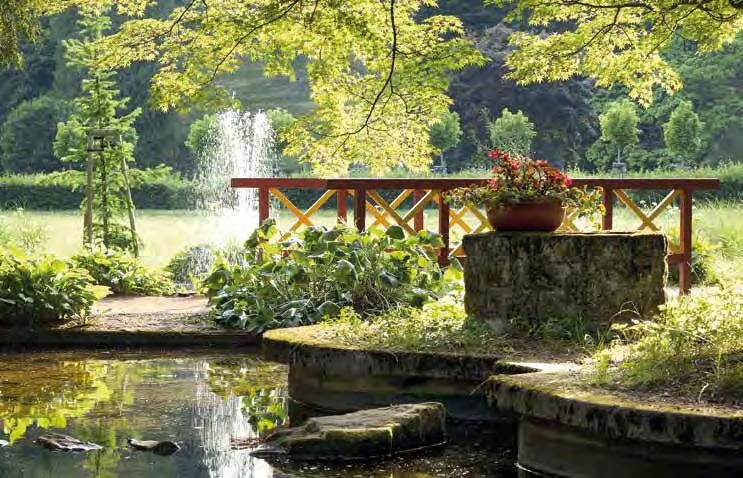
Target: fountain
[(243, 146)]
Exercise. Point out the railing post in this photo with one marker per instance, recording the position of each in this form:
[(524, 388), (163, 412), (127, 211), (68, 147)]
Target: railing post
[(443, 229), (263, 204), (607, 198), (685, 236), (341, 197), (359, 209), (418, 221)]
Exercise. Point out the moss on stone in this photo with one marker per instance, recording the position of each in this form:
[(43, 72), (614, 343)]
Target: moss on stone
[(597, 278), (560, 398), (361, 435)]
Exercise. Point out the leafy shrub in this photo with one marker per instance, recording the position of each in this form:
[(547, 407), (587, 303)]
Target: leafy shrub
[(191, 265), (188, 266), (43, 290), (123, 274), (297, 282), (702, 259), (155, 188), (695, 343)]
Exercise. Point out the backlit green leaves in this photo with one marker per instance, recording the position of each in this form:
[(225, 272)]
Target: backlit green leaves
[(377, 72), (614, 41)]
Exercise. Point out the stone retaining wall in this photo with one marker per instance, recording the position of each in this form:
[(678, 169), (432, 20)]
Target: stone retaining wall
[(334, 378), (596, 278)]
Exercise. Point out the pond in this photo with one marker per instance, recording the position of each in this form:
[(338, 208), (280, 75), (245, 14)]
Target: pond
[(201, 400)]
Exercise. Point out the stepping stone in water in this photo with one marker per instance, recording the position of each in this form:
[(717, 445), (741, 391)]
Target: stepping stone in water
[(367, 434), (163, 448), (55, 441)]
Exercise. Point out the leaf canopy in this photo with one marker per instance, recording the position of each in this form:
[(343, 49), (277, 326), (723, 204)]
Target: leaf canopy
[(618, 42), (377, 71)]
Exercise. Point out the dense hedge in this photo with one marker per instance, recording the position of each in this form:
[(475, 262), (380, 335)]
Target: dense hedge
[(32, 192), (730, 176), (29, 192)]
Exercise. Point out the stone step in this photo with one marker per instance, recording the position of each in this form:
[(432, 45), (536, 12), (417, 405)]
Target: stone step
[(362, 435)]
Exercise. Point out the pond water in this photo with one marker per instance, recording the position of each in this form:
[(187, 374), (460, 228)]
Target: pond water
[(200, 400)]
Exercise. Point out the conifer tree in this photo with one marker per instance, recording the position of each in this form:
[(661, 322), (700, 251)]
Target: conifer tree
[(98, 123)]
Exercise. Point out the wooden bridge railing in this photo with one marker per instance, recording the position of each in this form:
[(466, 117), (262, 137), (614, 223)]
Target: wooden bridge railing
[(367, 200)]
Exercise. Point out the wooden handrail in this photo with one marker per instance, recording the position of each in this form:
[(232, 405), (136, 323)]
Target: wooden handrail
[(451, 183), (430, 190)]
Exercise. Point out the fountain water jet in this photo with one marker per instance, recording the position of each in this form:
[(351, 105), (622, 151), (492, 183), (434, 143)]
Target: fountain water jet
[(242, 145)]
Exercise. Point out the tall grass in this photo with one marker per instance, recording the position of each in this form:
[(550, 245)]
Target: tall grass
[(166, 232), (695, 345)]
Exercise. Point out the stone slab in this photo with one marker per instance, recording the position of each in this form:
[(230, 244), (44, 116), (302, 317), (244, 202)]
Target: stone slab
[(362, 435)]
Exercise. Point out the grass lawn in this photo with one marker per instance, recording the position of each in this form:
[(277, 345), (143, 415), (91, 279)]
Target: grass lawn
[(166, 232)]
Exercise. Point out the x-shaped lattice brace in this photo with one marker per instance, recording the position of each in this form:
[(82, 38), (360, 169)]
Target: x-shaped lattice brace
[(456, 218), (385, 213), (647, 219), (303, 217)]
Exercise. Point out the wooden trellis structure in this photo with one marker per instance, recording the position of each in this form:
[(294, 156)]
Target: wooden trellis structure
[(369, 202)]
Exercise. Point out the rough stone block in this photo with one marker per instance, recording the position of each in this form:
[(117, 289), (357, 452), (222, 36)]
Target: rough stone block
[(597, 278), (375, 433)]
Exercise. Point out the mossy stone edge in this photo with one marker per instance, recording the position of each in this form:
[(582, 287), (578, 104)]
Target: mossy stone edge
[(306, 348), (555, 397)]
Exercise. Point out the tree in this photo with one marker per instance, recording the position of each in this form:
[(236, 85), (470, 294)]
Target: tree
[(619, 126), (445, 134), (19, 20), (201, 135), (282, 122), (682, 131), (561, 111), (614, 41), (99, 109), (377, 71), (28, 132), (512, 133)]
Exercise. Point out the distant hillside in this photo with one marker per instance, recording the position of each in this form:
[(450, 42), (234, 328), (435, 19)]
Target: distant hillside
[(255, 91)]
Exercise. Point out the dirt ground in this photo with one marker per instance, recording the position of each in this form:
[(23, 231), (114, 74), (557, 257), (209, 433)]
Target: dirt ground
[(173, 314)]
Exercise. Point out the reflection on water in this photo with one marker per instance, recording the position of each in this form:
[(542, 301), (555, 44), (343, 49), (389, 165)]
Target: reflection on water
[(201, 400)]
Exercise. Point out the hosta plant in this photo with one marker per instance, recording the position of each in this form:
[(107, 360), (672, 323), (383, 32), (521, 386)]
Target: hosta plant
[(123, 274), (315, 274), (43, 290)]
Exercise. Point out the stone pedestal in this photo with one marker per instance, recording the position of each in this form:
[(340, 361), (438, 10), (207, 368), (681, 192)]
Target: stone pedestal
[(597, 278)]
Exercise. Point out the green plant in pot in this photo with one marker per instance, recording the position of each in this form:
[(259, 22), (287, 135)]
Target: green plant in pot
[(527, 195)]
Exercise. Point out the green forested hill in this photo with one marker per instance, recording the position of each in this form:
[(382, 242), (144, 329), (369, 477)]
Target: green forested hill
[(565, 114)]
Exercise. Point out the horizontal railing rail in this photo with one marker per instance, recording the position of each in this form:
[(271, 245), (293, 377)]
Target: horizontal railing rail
[(424, 192)]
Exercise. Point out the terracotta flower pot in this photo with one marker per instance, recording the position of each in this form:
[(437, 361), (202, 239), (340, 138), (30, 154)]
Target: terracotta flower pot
[(543, 215)]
